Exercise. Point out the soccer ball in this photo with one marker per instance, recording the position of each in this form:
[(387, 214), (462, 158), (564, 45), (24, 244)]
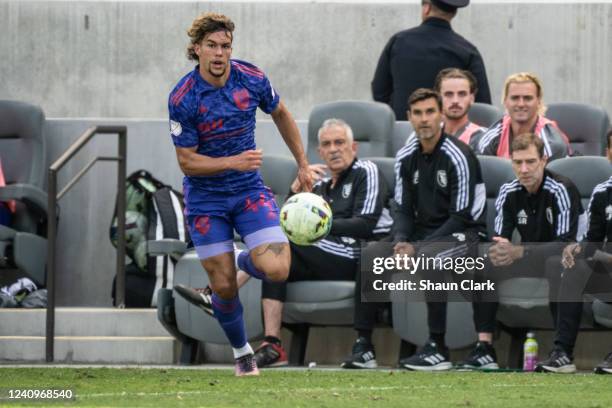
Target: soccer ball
[(306, 218)]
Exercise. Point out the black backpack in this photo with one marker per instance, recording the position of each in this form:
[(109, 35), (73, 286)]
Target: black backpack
[(153, 211)]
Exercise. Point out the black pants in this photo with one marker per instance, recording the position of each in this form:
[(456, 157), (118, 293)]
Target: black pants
[(585, 277), (331, 260)]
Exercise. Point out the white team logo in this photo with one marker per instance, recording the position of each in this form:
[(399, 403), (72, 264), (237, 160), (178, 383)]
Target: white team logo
[(522, 217), (415, 177), (609, 213), (460, 237), (442, 181), (348, 240), (175, 128), (549, 215), (346, 190)]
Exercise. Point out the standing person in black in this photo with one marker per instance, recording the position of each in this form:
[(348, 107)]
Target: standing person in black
[(441, 215), (587, 269), (412, 58)]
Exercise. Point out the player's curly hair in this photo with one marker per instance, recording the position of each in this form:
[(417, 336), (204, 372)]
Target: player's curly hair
[(204, 24)]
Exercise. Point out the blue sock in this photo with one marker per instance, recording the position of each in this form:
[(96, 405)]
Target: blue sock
[(246, 264), (229, 315)]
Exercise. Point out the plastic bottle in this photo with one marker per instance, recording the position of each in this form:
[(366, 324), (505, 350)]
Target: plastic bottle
[(530, 353)]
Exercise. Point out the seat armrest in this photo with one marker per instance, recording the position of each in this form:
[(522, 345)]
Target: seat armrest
[(26, 193), (167, 246)]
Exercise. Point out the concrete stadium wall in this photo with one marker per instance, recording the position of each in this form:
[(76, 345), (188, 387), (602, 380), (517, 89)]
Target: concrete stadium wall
[(85, 257), (121, 58)]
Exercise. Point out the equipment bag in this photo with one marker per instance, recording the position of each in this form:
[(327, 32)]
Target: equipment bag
[(153, 211)]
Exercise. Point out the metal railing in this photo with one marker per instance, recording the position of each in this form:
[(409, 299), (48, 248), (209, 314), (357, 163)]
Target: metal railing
[(54, 197)]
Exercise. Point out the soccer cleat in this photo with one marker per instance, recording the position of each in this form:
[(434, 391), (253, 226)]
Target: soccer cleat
[(605, 367), (200, 297), (363, 355), (430, 357), (482, 357), (558, 361), (246, 365), (271, 355)]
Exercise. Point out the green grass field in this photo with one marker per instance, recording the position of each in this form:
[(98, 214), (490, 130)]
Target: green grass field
[(308, 388)]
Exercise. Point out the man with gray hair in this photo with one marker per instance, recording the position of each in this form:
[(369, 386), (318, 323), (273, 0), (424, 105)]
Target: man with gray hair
[(356, 191)]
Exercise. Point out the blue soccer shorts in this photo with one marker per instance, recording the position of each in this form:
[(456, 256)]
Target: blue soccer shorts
[(213, 216)]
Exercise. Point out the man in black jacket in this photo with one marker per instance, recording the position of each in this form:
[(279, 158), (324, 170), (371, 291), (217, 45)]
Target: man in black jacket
[(544, 208), (441, 214), (587, 268), (412, 58)]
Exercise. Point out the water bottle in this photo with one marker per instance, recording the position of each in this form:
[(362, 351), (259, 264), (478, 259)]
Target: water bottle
[(530, 353)]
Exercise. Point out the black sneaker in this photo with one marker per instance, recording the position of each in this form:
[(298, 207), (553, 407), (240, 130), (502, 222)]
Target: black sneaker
[(271, 355), (430, 357), (482, 357), (200, 297), (363, 355), (557, 362), (605, 367)]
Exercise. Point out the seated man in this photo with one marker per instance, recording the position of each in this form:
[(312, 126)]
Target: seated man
[(458, 89), (441, 215), (524, 114), (587, 269), (355, 192), (543, 207)]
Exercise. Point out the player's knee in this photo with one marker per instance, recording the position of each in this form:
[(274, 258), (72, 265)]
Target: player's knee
[(225, 290), (278, 272)]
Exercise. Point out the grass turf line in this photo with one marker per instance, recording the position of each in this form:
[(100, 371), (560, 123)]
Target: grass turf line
[(219, 388)]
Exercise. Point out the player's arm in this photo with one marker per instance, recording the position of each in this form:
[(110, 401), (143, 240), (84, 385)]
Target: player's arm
[(477, 68), (367, 207), (382, 83), (596, 223), (195, 164), (291, 135), (403, 219)]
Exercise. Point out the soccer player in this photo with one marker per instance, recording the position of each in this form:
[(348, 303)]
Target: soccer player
[(584, 272), (524, 114), (212, 122), (356, 192), (458, 89), (441, 214)]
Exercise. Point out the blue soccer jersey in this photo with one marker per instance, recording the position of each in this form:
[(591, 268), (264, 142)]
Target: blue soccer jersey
[(221, 121)]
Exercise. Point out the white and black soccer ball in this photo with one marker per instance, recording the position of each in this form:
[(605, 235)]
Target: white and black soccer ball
[(306, 218)]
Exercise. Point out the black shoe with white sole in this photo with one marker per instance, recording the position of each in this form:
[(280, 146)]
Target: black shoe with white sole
[(482, 357), (605, 367), (363, 355), (557, 362), (429, 358), (200, 297)]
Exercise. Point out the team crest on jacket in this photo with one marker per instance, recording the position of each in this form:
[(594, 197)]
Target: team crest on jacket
[(241, 98), (609, 213), (346, 190), (549, 215), (441, 177)]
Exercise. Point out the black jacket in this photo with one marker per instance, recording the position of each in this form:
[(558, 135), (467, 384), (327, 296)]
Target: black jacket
[(412, 59), (550, 215), (438, 194), (357, 201), (599, 217)]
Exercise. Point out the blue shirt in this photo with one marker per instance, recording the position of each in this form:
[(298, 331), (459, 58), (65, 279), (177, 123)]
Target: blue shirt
[(221, 121)]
